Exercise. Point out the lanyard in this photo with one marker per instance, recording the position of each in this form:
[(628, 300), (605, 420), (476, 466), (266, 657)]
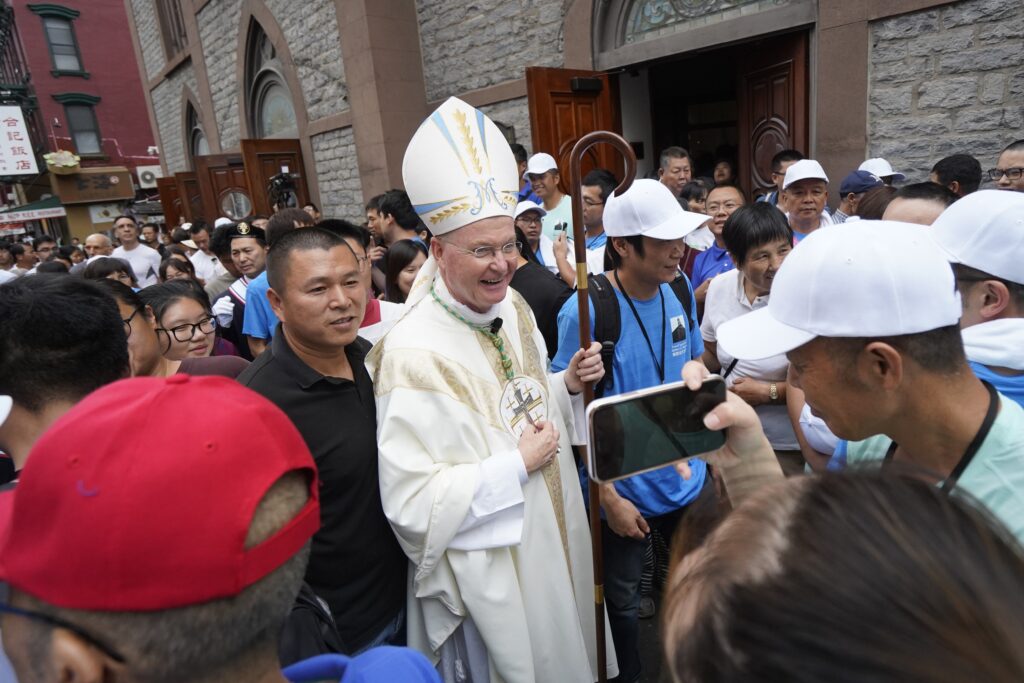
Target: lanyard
[(650, 347), (972, 448)]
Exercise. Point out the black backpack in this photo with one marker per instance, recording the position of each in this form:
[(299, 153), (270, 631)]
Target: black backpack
[(608, 322)]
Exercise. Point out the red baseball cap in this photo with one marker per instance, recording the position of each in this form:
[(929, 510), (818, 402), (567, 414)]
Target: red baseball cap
[(141, 496)]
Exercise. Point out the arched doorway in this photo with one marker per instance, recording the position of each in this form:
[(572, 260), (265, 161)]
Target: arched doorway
[(722, 78)]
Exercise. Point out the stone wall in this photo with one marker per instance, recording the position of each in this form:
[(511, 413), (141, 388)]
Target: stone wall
[(147, 24), (311, 31), (219, 35), (466, 45), (337, 171), (513, 113), (946, 81), (167, 108)]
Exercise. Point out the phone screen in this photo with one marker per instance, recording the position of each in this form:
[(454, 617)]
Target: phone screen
[(645, 430)]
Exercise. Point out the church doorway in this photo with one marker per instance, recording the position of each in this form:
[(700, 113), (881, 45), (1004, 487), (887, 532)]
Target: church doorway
[(741, 103)]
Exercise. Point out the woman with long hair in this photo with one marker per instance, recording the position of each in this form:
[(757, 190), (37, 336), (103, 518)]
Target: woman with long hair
[(404, 260), (186, 321), (147, 342)]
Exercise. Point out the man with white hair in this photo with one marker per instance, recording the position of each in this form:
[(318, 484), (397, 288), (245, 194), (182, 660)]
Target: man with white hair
[(805, 193), (476, 471)]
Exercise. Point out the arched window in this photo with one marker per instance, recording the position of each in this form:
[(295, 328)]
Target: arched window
[(270, 106), (195, 136)]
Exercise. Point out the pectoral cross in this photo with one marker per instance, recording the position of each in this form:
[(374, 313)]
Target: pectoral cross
[(521, 407)]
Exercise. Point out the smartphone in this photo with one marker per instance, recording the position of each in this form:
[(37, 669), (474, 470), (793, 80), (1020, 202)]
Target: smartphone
[(651, 428)]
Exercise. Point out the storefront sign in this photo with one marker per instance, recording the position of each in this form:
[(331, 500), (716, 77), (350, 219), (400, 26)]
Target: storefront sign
[(91, 185), (16, 157)]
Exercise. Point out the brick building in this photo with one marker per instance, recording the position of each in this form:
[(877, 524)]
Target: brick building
[(339, 86), (91, 102)]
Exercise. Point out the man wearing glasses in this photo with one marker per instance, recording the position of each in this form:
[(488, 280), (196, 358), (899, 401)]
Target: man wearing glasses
[(1009, 171), (476, 470)]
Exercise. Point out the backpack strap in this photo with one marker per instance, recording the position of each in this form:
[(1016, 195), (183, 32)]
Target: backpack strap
[(607, 324), (684, 292)]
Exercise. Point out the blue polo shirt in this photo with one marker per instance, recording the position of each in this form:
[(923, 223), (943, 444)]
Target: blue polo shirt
[(711, 262), (660, 491), (260, 320), (379, 665)]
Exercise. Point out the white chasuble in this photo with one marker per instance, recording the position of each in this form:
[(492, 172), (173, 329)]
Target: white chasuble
[(519, 565)]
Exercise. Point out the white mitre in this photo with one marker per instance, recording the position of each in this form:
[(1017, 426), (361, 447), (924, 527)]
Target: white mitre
[(459, 169)]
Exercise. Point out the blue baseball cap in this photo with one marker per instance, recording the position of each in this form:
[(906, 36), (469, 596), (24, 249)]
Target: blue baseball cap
[(859, 181)]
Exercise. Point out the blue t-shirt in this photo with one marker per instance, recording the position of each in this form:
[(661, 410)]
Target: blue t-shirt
[(660, 491), (379, 665), (1010, 387), (260, 319), (711, 262), (526, 194)]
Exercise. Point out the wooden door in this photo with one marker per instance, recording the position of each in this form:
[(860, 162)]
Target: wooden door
[(265, 159), (772, 106), (187, 185), (223, 187), (566, 104), (170, 200)]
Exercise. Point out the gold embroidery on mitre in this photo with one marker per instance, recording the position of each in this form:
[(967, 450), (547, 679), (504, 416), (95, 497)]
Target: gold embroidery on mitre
[(448, 213), (467, 141)]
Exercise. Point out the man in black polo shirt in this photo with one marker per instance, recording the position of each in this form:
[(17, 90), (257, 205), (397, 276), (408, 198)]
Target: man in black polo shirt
[(313, 370)]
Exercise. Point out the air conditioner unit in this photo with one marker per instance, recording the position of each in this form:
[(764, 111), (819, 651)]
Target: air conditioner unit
[(148, 176)]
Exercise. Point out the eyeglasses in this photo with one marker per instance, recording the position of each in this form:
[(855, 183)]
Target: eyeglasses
[(128, 323), (57, 622), (728, 206), (1011, 173), (184, 333), (528, 221), (587, 202), (490, 252)]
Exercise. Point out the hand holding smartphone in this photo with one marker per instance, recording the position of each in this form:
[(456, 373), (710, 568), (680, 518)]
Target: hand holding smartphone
[(649, 429)]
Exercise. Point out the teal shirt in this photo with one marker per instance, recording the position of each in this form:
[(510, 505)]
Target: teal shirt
[(995, 477)]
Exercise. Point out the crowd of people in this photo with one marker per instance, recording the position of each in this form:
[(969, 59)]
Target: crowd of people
[(296, 447)]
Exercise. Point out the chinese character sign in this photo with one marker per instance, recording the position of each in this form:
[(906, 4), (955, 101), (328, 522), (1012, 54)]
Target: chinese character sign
[(16, 156)]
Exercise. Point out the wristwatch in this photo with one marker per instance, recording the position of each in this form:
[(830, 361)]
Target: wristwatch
[(773, 391)]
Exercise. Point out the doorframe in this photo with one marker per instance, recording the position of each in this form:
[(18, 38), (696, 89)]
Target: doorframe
[(612, 52)]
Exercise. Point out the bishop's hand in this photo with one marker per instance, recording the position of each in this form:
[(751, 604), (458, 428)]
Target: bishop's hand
[(585, 366), (538, 445)]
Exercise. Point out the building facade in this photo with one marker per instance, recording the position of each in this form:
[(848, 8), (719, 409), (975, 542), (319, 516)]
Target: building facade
[(348, 81), (92, 103)]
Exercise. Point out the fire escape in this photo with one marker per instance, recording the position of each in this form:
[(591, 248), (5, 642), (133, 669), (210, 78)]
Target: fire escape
[(16, 87)]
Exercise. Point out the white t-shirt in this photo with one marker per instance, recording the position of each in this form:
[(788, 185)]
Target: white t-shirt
[(144, 261), (560, 214), (727, 300), (208, 267)]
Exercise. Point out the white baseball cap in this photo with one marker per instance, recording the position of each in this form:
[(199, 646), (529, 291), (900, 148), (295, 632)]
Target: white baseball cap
[(6, 403), (805, 169), (527, 205), (222, 221), (870, 279), (881, 168), (985, 230), (540, 163), (650, 209)]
